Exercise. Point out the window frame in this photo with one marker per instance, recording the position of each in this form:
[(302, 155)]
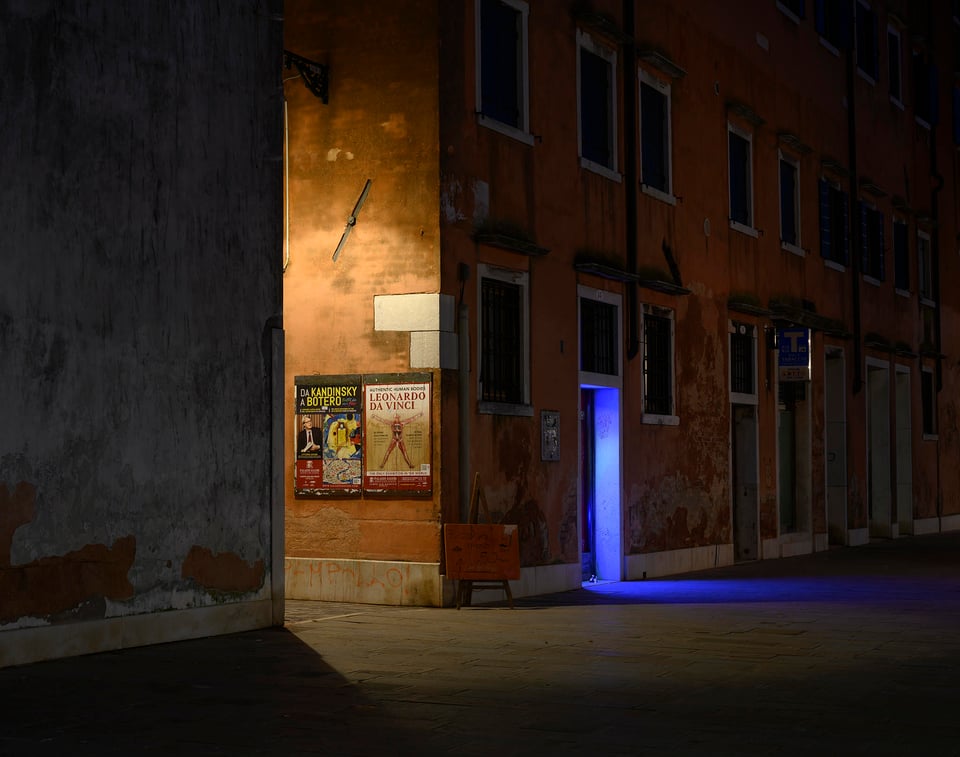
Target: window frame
[(608, 298), (841, 262), (901, 257), (873, 74), (925, 268), (873, 263), (521, 279), (664, 89), (748, 330), (924, 79), (521, 131), (585, 42), (745, 228), (668, 314), (796, 247), (895, 97), (792, 13), (841, 21)]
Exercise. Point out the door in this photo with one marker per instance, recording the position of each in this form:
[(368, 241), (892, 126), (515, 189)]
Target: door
[(835, 447), (745, 482)]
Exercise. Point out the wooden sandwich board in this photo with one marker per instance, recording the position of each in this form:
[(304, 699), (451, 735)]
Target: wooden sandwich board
[(481, 555)]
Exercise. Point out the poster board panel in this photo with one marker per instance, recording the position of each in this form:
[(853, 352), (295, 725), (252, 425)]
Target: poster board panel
[(481, 552), (328, 435), (398, 434)]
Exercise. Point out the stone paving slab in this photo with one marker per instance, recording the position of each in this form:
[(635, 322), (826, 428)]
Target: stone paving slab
[(853, 651)]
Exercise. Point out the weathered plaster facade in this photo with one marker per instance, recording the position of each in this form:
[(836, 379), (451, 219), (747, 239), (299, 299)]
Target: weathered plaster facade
[(140, 308), (712, 473)]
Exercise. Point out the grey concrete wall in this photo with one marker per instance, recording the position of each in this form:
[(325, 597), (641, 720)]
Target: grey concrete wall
[(140, 254)]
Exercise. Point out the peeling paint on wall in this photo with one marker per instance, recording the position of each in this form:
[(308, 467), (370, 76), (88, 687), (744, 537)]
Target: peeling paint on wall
[(224, 571), (76, 582)]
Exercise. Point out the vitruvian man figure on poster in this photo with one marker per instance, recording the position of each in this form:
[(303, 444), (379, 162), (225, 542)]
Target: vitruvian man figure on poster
[(396, 440)]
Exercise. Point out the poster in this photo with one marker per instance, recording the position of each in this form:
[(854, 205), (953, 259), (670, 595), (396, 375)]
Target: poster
[(397, 433), (329, 438)]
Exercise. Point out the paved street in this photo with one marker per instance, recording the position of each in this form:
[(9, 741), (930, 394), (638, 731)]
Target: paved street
[(852, 651)]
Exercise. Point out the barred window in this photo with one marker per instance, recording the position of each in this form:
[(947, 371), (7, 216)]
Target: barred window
[(658, 361), (742, 370), (599, 337), (504, 371)]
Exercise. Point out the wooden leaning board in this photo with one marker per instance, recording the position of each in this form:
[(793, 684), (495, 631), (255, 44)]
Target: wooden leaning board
[(481, 552)]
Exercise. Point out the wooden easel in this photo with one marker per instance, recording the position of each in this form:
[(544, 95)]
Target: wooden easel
[(481, 556)]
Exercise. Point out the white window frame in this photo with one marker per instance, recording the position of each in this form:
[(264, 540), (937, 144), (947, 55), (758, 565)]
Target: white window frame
[(522, 279), (610, 298), (893, 31), (664, 89), (748, 228), (788, 12), (521, 133), (870, 207), (797, 248), (899, 221), (742, 398), (671, 419), (586, 42), (865, 75), (924, 269)]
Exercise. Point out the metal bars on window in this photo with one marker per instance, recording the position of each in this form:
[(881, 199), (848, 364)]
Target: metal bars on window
[(657, 370), (501, 357), (741, 360), (599, 337)]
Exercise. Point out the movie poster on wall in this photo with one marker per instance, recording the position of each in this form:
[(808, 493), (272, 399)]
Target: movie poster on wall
[(329, 446), (397, 434)]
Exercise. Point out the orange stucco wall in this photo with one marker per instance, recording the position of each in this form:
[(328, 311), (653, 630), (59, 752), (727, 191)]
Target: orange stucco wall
[(380, 124), (404, 105)]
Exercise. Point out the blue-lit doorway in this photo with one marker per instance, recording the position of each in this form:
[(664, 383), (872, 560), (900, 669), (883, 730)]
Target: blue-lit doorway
[(601, 546)]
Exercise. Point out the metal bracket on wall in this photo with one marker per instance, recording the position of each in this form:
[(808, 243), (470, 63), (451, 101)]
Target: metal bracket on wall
[(316, 76)]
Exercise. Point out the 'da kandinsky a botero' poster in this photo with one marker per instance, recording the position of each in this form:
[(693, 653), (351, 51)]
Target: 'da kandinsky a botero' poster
[(397, 433), (329, 438)]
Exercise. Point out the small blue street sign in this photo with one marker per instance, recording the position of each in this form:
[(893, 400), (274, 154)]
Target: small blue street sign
[(794, 354)]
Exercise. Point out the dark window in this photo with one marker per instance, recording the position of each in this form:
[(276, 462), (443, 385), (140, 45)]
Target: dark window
[(788, 203), (834, 223), (596, 104), (868, 53), (956, 114), (657, 365), (654, 138), (924, 267), (501, 65), (741, 359), (871, 242), (927, 396), (502, 349), (599, 337), (894, 65), (924, 89), (832, 19), (901, 255), (740, 203), (795, 7)]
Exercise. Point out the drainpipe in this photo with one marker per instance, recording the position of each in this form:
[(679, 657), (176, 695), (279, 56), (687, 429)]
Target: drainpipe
[(630, 87), (463, 396), (854, 214), (935, 269)]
